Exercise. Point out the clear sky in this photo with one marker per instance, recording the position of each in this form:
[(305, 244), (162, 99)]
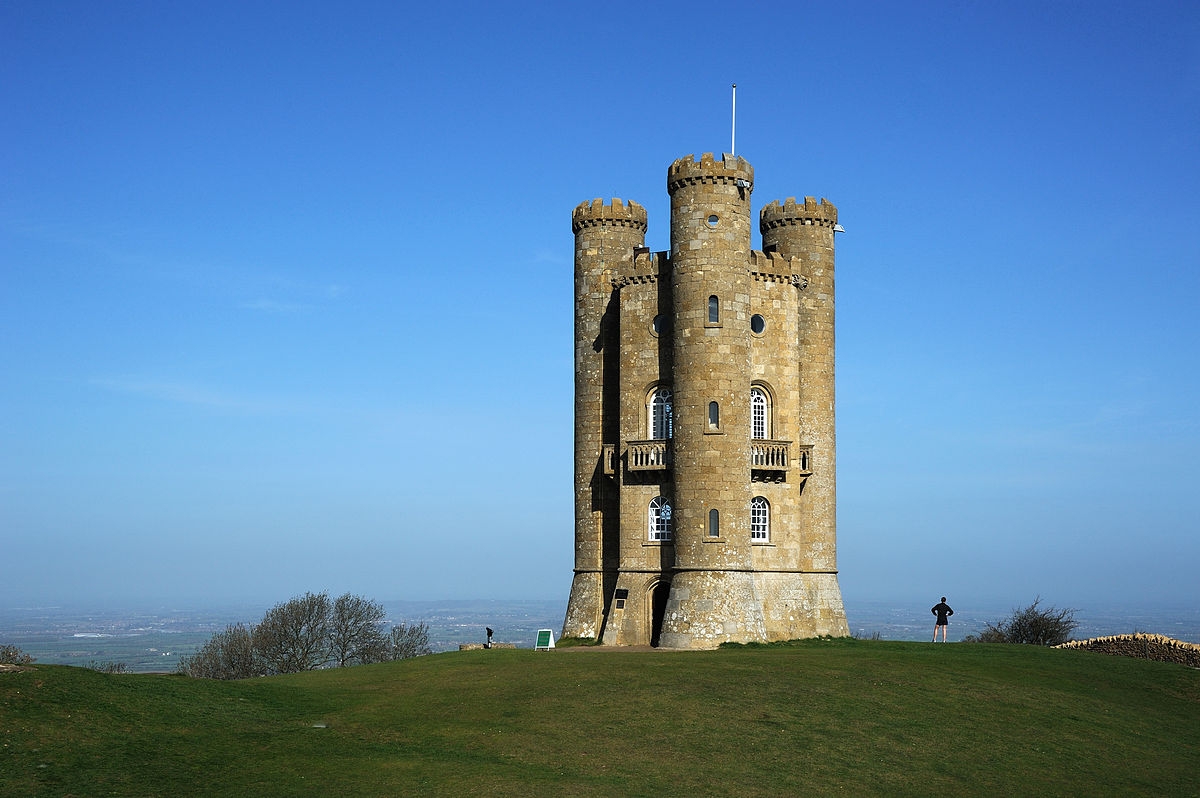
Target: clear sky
[(285, 288)]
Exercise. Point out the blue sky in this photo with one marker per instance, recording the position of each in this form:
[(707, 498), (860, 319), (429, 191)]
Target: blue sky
[(285, 288)]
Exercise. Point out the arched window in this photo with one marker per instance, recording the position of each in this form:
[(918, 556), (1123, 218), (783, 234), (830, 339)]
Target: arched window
[(661, 425), (759, 414), (714, 524), (660, 519), (760, 519), (714, 310), (714, 415)]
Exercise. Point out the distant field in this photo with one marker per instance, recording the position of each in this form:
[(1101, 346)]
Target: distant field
[(821, 717), (153, 640)]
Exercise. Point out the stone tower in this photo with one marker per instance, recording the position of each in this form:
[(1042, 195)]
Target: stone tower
[(704, 419)]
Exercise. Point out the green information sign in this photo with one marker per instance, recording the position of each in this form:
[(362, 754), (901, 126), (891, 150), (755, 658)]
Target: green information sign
[(545, 640)]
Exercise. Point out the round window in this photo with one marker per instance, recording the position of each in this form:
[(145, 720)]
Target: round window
[(757, 324), (712, 220), (657, 324)]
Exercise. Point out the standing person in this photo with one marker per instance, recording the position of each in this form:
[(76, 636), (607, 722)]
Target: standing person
[(943, 613)]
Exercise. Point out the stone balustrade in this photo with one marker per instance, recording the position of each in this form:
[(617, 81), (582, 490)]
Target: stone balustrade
[(649, 455)]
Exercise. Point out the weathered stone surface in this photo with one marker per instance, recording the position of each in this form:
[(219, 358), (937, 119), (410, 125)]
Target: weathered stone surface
[(710, 321)]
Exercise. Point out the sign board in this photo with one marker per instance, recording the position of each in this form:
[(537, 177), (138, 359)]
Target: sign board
[(545, 640)]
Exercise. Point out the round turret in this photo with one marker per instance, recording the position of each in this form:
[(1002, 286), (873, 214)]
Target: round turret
[(598, 213), (710, 208), (606, 235), (805, 230), (792, 214)]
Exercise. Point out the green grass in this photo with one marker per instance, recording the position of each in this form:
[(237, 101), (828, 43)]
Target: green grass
[(845, 717)]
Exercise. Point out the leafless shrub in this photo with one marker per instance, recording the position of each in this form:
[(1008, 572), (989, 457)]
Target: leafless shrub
[(227, 655), (108, 667), (1030, 625), (411, 640), (11, 655), (305, 633)]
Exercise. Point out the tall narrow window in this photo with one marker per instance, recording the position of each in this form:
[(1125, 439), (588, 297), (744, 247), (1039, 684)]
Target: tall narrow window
[(714, 524), (758, 414), (660, 519), (661, 424), (714, 310), (760, 519), (714, 415)]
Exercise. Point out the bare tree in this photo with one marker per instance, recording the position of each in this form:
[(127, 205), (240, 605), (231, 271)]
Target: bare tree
[(355, 637), (305, 633), (411, 640), (1031, 625), (294, 636), (227, 655)]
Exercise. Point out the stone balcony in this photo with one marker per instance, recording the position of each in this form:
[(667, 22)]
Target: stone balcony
[(765, 456), (649, 455)]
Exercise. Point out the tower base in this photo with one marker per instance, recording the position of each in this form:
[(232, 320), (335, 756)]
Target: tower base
[(797, 605), (585, 607), (708, 608)]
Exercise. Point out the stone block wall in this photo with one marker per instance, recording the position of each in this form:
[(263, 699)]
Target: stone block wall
[(1142, 646)]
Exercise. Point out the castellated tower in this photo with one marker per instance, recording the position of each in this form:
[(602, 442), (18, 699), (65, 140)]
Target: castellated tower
[(704, 419)]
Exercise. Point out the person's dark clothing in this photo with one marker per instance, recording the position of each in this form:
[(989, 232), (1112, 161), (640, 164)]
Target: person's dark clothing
[(943, 612)]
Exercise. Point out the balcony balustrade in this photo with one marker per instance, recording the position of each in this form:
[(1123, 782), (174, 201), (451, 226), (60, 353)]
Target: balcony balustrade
[(769, 455), (765, 455), (649, 455)]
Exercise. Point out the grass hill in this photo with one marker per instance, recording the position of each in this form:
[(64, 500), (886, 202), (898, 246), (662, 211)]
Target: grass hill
[(820, 717)]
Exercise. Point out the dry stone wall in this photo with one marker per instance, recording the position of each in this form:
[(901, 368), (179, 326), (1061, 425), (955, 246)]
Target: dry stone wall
[(1142, 646)]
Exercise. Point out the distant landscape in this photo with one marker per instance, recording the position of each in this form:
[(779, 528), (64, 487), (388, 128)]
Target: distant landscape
[(153, 639)]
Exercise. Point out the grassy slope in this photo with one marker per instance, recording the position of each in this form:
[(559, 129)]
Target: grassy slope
[(820, 717)]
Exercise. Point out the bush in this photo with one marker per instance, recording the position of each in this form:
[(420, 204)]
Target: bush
[(305, 633), (11, 655), (354, 634), (108, 667), (227, 655), (410, 641), (294, 636), (1031, 626)]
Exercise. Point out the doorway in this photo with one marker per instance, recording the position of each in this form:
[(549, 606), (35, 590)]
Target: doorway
[(659, 592)]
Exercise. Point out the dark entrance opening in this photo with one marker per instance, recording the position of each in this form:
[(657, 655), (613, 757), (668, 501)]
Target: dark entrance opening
[(659, 593)]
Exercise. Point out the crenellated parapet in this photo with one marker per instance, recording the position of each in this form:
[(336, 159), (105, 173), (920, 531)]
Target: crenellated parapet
[(599, 213), (730, 169), (647, 267), (774, 267), (809, 212)]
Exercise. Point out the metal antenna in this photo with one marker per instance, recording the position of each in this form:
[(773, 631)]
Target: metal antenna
[(733, 128)]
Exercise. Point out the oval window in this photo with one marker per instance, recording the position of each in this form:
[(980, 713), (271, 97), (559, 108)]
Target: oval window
[(712, 220), (757, 324)]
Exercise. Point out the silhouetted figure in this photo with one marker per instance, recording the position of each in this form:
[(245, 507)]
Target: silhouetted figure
[(943, 613), (488, 644)]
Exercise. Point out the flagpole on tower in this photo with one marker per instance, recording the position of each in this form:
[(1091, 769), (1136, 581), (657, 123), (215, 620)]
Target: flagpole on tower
[(733, 126)]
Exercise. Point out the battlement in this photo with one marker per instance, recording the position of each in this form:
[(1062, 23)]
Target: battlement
[(730, 169), (647, 267), (809, 212), (598, 213), (774, 267)]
